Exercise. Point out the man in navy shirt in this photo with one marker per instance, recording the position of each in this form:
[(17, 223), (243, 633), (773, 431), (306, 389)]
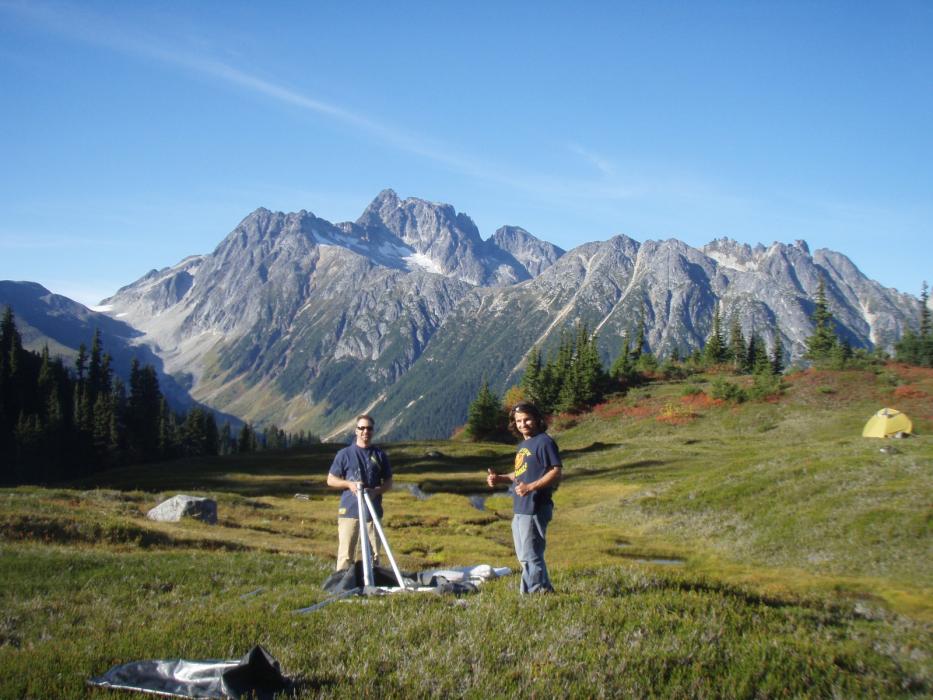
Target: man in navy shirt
[(537, 473), (360, 465)]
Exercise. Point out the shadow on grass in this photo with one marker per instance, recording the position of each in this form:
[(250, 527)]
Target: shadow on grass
[(631, 469), (450, 464), (590, 449), (678, 583), (308, 462), (64, 530)]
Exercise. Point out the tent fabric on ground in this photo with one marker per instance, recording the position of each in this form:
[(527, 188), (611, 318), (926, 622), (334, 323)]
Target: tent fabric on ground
[(256, 675), (887, 422)]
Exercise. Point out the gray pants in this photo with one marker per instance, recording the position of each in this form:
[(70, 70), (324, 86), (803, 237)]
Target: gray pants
[(528, 532)]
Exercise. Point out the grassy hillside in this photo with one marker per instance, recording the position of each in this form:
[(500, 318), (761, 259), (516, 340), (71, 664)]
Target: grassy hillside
[(699, 548)]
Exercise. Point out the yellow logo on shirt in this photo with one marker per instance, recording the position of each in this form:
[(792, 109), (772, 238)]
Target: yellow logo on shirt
[(521, 463)]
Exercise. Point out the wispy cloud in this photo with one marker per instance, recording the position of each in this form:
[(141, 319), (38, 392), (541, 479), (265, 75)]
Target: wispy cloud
[(602, 164), (81, 25), (607, 188)]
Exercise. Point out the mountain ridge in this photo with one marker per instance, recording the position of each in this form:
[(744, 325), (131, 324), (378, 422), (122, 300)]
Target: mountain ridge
[(296, 320)]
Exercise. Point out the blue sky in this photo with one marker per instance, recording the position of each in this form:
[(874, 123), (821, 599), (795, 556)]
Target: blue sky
[(134, 134)]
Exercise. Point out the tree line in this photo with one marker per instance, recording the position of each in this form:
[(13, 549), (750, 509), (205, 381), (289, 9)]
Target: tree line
[(573, 378), (59, 422)]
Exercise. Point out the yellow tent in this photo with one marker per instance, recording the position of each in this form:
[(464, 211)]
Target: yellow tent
[(886, 423)]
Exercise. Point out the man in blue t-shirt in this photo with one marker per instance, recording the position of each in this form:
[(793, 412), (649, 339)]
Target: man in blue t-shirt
[(358, 465), (537, 473)]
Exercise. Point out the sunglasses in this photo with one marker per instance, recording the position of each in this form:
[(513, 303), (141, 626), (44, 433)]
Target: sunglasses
[(363, 428)]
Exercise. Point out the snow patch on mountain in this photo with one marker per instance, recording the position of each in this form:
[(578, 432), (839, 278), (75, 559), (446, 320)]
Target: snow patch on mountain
[(424, 262), (733, 262)]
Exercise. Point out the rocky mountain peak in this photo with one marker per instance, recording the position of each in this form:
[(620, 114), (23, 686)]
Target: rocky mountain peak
[(732, 254), (534, 254), (448, 240), (380, 209)]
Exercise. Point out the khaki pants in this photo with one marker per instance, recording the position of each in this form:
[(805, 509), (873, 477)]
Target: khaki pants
[(348, 536)]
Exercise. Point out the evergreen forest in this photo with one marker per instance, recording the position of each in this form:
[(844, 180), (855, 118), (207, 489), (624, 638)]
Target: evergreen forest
[(60, 422)]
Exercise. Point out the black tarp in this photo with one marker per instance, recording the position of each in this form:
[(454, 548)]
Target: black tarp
[(256, 675), (349, 580)]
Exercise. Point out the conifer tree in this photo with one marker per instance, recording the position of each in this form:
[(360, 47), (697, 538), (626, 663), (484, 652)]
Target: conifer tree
[(103, 424), (95, 379), (583, 381), (639, 345), (571, 391), (199, 433), (622, 367), (714, 352), (81, 400), (823, 341), (45, 381), (211, 436), (81, 362), (484, 417), (737, 349), (11, 375), (168, 431), (226, 439), (144, 411), (118, 414), (777, 354), (916, 348), (246, 442), (926, 325), (274, 438), (590, 367), (564, 359), (531, 379), (555, 372), (840, 354), (756, 358)]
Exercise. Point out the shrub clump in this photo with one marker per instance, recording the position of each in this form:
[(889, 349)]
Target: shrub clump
[(765, 385), (724, 390)]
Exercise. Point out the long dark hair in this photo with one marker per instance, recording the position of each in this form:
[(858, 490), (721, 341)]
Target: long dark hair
[(529, 409)]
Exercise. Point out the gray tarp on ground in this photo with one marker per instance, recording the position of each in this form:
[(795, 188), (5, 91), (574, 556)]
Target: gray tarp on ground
[(256, 675)]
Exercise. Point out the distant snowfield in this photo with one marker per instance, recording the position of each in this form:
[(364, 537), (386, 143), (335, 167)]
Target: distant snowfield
[(733, 262), (102, 309), (423, 261)]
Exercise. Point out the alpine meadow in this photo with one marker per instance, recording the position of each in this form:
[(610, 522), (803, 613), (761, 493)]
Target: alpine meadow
[(701, 547)]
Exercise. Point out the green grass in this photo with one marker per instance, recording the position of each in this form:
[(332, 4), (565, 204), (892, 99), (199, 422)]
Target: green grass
[(802, 560)]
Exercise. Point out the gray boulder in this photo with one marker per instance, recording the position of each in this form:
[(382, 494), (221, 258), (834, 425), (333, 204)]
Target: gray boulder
[(178, 507)]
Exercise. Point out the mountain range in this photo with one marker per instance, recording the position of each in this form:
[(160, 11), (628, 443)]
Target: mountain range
[(300, 322)]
